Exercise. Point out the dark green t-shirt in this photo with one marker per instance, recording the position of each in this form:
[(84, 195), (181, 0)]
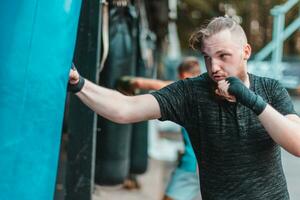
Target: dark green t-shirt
[(237, 158)]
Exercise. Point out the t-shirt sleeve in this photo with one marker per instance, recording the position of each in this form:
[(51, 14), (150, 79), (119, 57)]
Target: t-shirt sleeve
[(281, 100), (174, 102)]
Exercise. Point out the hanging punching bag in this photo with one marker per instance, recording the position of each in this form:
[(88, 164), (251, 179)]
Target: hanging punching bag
[(139, 135), (37, 42), (80, 163), (145, 68), (113, 140), (139, 148)]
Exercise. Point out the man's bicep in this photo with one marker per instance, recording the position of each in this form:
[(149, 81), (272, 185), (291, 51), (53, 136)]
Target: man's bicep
[(144, 107)]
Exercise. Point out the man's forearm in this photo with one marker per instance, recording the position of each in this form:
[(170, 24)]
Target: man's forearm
[(284, 130), (117, 107), (105, 102)]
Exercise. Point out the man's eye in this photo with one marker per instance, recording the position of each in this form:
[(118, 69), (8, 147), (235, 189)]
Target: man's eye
[(223, 56)]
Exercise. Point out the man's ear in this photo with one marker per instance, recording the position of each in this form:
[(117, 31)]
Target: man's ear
[(247, 51)]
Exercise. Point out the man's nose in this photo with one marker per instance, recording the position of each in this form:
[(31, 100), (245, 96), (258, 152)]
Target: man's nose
[(215, 66)]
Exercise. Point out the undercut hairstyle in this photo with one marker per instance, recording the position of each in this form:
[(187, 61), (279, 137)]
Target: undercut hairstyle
[(214, 26), (188, 64)]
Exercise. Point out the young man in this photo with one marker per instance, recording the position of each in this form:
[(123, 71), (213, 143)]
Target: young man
[(236, 121), (184, 181)]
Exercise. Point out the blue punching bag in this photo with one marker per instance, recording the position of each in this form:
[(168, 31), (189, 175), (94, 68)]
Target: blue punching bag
[(37, 40)]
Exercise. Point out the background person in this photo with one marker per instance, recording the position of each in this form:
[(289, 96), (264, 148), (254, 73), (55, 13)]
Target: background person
[(184, 181)]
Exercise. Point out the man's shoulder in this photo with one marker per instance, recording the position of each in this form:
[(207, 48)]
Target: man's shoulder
[(202, 79), (261, 81), (266, 87), (201, 82), (268, 79)]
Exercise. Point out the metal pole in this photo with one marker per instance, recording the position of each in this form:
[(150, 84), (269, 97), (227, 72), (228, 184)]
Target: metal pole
[(278, 27)]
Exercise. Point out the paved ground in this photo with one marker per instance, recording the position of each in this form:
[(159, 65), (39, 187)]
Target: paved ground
[(291, 165), (152, 185)]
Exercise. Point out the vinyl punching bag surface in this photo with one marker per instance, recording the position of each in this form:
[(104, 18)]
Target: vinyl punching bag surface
[(139, 135), (37, 40), (139, 148), (113, 141)]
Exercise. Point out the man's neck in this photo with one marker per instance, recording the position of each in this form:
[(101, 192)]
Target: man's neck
[(244, 77), (247, 81)]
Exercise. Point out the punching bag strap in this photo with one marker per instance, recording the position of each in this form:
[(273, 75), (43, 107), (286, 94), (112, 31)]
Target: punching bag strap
[(105, 32)]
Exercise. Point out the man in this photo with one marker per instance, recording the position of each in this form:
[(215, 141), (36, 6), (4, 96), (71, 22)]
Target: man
[(184, 181), (236, 121)]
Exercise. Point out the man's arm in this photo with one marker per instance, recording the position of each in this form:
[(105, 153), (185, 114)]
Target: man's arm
[(284, 130), (114, 105)]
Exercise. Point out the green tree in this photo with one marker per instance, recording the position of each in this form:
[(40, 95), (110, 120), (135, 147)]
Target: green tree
[(254, 16)]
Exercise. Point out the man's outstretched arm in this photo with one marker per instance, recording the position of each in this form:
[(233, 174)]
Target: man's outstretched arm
[(114, 105)]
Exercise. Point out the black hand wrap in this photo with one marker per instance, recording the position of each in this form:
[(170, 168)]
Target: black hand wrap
[(245, 96), (74, 88)]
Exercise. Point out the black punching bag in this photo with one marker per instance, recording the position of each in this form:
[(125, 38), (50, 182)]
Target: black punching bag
[(139, 148), (145, 68), (113, 140)]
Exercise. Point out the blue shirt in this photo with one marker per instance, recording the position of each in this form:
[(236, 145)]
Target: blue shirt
[(188, 161)]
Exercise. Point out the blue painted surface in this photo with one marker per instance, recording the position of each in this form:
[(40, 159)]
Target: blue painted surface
[(37, 40)]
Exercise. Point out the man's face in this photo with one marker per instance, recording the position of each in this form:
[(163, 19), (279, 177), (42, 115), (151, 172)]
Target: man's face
[(225, 56)]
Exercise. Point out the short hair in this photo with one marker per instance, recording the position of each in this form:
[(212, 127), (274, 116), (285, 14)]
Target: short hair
[(188, 64), (214, 26)]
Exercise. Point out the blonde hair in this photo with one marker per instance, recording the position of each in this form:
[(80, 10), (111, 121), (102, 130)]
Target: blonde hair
[(214, 26)]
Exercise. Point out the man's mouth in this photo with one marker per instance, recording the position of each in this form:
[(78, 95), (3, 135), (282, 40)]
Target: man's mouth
[(218, 77)]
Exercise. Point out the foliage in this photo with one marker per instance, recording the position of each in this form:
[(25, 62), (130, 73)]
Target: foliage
[(254, 16)]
